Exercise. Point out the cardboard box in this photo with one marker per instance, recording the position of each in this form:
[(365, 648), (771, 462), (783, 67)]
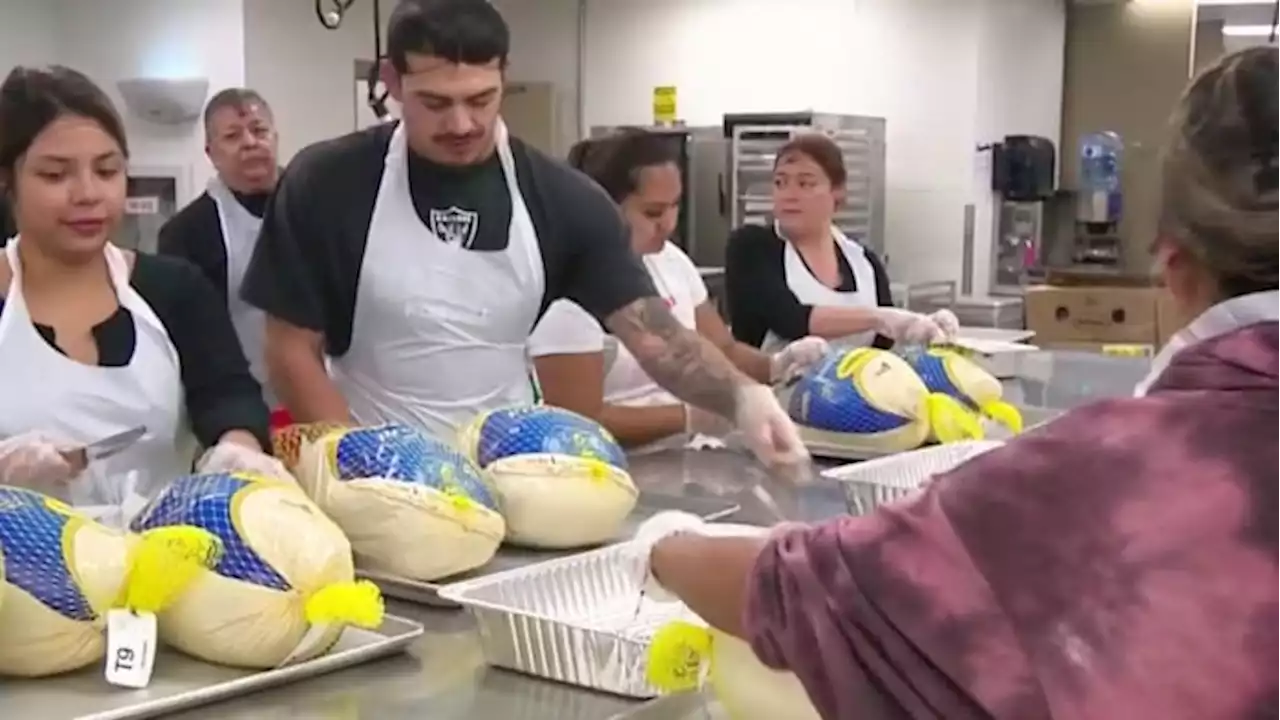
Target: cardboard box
[(1092, 315)]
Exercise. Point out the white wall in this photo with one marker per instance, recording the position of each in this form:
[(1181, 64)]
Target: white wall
[(130, 38), (26, 34), (946, 74), (304, 71), (155, 38), (544, 48)]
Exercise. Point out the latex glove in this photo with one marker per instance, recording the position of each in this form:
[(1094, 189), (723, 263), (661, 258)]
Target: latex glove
[(909, 328), (948, 321), (35, 460), (657, 528), (229, 457), (767, 428), (797, 357)]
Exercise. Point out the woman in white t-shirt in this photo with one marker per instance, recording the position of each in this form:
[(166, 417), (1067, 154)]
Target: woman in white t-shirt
[(582, 369)]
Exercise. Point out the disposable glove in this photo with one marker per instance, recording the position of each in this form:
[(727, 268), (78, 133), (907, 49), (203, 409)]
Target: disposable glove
[(948, 321), (767, 428), (657, 528), (909, 328), (35, 460), (797, 357), (230, 457)]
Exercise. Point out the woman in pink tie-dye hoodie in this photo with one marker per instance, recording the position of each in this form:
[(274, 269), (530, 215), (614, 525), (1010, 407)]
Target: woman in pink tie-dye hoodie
[(1120, 562)]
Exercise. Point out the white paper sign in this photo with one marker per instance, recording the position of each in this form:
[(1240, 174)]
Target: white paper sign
[(131, 648), (142, 206)]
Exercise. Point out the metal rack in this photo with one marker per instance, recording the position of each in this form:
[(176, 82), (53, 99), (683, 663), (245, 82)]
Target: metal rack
[(754, 141)]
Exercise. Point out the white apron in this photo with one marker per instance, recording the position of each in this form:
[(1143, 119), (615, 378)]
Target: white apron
[(809, 291), (44, 390), (440, 332), (239, 236), (1218, 320)]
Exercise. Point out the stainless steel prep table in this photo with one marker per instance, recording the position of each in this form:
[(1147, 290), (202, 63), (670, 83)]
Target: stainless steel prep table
[(444, 677)]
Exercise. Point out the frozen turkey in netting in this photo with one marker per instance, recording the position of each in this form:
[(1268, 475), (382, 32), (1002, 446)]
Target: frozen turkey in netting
[(63, 572), (871, 401), (947, 371), (561, 478), (412, 506), (288, 441), (283, 588)]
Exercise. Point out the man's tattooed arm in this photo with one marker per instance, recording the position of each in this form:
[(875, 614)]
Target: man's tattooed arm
[(676, 357)]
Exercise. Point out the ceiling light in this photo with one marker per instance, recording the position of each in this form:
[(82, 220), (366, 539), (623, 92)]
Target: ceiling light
[(1247, 30)]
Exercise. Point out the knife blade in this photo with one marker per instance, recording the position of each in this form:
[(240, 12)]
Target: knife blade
[(106, 447)]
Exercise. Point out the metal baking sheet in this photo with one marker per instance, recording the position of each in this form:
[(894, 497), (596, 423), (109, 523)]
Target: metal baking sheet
[(181, 682), (1031, 417), (834, 451), (510, 558), (579, 620)]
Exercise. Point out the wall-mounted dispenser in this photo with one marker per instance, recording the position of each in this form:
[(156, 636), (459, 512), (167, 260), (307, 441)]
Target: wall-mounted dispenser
[(165, 101)]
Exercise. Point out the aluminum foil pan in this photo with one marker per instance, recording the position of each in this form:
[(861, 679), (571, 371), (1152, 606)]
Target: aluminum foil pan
[(579, 620), (872, 483)]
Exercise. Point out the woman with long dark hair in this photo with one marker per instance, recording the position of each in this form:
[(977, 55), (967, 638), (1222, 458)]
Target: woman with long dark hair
[(95, 340)]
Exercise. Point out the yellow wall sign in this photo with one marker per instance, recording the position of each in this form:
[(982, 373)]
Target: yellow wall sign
[(664, 105)]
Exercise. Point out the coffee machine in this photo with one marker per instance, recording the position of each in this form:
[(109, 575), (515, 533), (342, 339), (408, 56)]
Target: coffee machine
[(1023, 169)]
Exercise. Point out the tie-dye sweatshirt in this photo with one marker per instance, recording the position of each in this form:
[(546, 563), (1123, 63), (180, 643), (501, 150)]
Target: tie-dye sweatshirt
[(1120, 563)]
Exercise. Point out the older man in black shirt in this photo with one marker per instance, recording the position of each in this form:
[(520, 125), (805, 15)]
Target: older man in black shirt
[(218, 230)]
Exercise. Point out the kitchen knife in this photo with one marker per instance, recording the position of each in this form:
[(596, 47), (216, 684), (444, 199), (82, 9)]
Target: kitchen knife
[(108, 446)]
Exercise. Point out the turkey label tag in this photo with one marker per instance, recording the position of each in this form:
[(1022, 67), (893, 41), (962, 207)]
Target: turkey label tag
[(131, 648), (313, 643)]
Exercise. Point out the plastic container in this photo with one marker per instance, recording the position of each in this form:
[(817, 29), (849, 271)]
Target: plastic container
[(873, 483), (1101, 154)]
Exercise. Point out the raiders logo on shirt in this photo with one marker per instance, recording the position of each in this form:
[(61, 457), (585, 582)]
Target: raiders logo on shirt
[(455, 226)]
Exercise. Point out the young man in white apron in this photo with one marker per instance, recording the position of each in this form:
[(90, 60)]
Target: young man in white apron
[(419, 255), (218, 230)]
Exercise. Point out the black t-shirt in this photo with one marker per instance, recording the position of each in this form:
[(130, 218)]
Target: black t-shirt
[(468, 206), (221, 395), (194, 234), (759, 298), (306, 266)]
